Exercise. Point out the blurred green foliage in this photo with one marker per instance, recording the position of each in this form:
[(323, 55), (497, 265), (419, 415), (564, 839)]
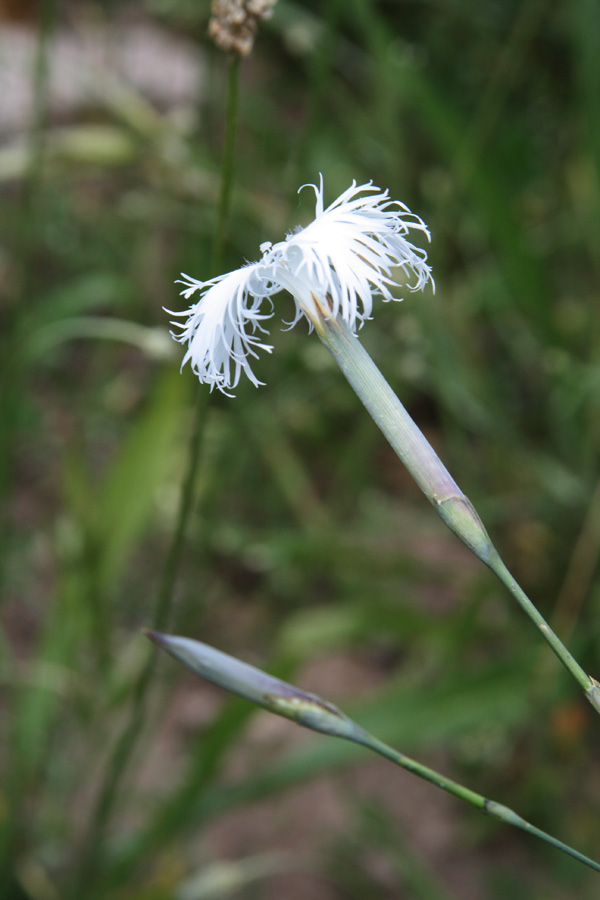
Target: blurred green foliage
[(307, 540)]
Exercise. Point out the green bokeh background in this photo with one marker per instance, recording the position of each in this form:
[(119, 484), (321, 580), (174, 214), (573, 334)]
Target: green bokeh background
[(308, 546)]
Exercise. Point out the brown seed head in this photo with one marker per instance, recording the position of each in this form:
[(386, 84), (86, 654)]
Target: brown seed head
[(234, 22)]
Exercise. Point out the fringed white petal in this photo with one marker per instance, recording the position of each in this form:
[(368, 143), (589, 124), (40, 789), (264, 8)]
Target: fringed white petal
[(221, 328), (349, 252)]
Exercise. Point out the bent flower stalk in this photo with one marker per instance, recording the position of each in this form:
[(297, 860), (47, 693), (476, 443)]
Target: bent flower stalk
[(354, 249)]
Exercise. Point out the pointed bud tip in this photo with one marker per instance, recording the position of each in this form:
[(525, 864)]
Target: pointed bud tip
[(156, 637)]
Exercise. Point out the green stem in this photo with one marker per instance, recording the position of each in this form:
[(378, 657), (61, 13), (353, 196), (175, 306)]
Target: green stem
[(92, 854), (431, 475), (405, 437), (92, 857), (228, 160), (499, 569), (25, 233), (25, 236), (496, 810)]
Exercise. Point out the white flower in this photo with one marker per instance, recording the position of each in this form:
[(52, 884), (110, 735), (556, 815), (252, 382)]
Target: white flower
[(332, 267)]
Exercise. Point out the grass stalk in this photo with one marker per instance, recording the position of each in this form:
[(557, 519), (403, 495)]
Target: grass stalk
[(26, 235), (12, 380), (233, 82), (92, 855)]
